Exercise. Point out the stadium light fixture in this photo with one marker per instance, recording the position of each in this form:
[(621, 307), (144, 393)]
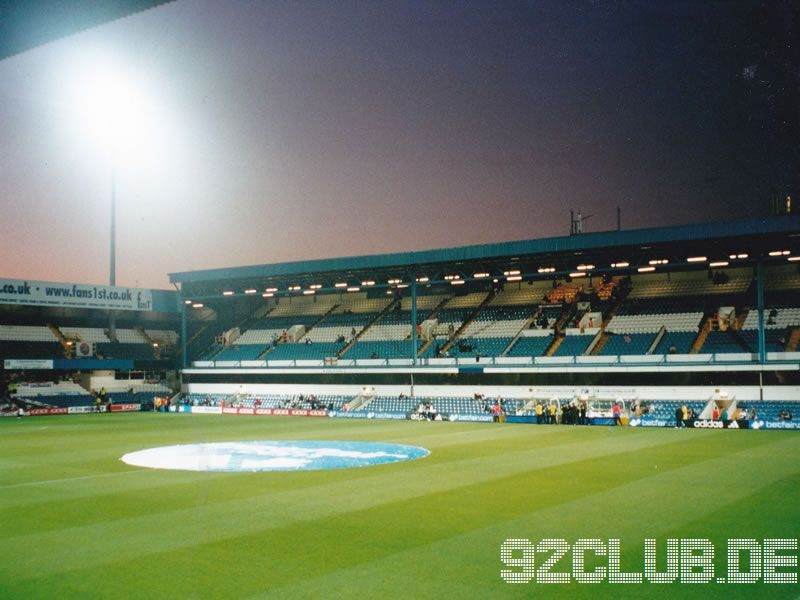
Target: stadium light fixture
[(514, 278), (511, 272), (793, 258), (354, 288), (112, 110), (577, 274), (697, 259), (341, 284), (460, 281), (620, 265), (271, 290), (197, 305), (646, 269), (227, 293), (482, 275), (423, 279), (250, 291), (585, 267), (368, 283), (309, 292), (779, 253), (718, 263), (402, 285), (267, 295), (658, 261), (315, 286), (187, 301), (547, 269)]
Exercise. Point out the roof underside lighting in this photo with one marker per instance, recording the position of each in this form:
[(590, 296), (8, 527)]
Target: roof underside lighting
[(620, 265), (481, 275), (658, 261), (227, 293), (271, 290), (250, 291), (457, 282), (718, 263), (354, 289), (511, 272), (341, 284), (646, 269), (577, 274), (368, 282), (793, 258), (696, 259), (309, 292), (546, 269), (514, 278), (197, 305), (423, 279), (585, 267), (267, 294)]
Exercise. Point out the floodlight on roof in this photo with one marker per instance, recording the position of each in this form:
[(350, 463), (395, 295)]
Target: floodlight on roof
[(697, 259)]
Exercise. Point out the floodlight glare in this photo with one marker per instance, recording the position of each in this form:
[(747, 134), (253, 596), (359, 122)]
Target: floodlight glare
[(113, 108)]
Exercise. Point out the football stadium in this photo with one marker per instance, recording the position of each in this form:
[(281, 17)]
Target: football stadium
[(590, 414)]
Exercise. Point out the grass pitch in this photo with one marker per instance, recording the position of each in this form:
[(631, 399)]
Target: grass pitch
[(77, 522)]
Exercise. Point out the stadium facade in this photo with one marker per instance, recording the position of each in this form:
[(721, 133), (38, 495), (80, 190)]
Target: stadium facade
[(705, 315), (680, 313)]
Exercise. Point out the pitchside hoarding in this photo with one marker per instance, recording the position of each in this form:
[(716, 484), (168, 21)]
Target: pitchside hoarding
[(45, 293)]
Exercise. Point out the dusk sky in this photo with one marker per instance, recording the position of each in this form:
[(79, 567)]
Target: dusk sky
[(295, 130)]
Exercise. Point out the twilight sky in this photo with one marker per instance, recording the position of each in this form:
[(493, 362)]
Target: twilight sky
[(292, 130)]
